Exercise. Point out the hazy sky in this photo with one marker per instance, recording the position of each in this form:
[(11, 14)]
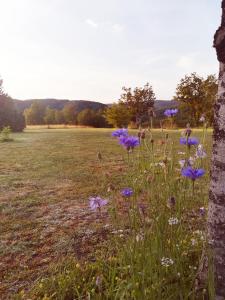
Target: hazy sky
[(89, 49)]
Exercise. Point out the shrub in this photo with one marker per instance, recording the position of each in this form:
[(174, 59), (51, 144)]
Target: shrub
[(5, 134)]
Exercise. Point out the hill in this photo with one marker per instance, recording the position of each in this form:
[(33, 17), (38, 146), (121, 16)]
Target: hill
[(58, 104), (21, 105)]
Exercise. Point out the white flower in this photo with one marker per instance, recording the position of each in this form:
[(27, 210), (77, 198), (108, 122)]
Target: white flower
[(193, 242), (200, 153), (117, 231), (200, 234), (173, 221), (182, 163), (189, 162), (139, 237), (159, 164), (202, 119), (166, 262), (181, 153)]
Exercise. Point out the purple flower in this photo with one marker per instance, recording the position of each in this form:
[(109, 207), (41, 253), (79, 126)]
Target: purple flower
[(127, 192), (97, 202), (170, 112), (129, 142), (120, 132), (189, 141), (192, 173)]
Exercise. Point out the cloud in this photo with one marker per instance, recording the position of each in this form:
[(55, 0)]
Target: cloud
[(91, 23)]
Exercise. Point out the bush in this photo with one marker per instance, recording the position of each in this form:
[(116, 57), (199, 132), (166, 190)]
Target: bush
[(5, 134)]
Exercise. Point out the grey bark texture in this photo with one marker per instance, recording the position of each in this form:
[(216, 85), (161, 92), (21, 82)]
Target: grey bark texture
[(216, 215)]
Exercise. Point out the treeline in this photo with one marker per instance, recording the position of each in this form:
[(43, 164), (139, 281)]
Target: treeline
[(38, 114), (9, 115), (194, 97)]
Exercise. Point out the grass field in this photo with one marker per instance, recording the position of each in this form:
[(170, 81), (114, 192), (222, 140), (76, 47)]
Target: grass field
[(46, 178)]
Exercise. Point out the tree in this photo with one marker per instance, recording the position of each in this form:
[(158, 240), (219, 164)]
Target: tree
[(86, 117), (34, 115), (118, 115), (49, 116), (139, 101), (216, 213), (9, 115), (69, 114), (196, 96), (99, 120), (59, 117)]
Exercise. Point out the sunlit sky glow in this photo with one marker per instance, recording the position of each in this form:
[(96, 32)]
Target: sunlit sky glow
[(89, 49)]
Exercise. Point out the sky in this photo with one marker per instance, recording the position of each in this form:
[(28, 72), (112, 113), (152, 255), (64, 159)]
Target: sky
[(90, 49)]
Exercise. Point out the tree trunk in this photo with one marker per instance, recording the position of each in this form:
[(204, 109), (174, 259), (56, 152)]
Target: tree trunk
[(216, 215)]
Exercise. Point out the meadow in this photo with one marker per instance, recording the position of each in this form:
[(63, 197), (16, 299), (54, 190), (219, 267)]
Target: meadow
[(146, 245)]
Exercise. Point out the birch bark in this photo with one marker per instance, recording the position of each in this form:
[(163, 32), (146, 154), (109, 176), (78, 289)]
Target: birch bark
[(216, 215)]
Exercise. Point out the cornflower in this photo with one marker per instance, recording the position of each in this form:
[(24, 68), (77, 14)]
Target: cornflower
[(129, 142), (127, 192), (120, 132), (192, 173), (170, 112)]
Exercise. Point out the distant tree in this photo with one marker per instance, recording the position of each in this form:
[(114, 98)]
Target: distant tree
[(139, 101), (49, 116), (9, 115), (86, 117), (100, 120), (196, 96), (59, 117), (90, 117), (118, 115), (70, 114), (34, 115)]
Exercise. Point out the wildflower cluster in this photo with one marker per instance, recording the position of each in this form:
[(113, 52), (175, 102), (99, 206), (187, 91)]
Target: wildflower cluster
[(189, 141), (187, 169), (166, 262), (129, 142), (149, 225), (173, 221)]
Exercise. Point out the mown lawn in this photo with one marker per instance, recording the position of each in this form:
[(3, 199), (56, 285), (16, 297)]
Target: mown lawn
[(46, 178)]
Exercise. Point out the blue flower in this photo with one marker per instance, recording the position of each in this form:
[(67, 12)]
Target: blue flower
[(127, 192), (120, 132), (191, 173), (170, 112), (189, 141), (129, 142)]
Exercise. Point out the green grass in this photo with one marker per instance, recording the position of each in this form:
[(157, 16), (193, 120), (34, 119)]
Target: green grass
[(47, 229)]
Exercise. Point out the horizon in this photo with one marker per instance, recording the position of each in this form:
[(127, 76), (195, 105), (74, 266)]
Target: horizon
[(88, 100), (85, 50)]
